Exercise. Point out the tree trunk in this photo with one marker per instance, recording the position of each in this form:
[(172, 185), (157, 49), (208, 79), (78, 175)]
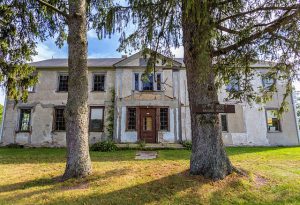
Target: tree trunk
[(78, 157), (208, 154)]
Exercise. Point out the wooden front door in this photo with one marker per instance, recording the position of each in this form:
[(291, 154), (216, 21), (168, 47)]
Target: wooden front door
[(148, 125)]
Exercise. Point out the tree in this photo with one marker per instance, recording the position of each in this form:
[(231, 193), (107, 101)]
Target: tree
[(25, 21), (221, 38)]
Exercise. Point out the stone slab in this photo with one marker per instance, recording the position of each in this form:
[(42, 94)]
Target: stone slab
[(144, 155)]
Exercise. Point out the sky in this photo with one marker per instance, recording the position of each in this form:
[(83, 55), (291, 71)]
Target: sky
[(96, 49)]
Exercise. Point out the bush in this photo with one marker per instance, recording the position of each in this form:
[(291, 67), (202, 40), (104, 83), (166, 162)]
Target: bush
[(105, 146), (15, 145), (187, 145)]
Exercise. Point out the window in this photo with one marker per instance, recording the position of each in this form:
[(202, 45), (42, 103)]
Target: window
[(233, 85), (224, 123), (59, 120), (99, 82), (273, 123), (148, 82), (96, 119), (63, 82), (158, 81), (25, 117), (30, 89), (164, 118), (267, 82), (136, 81), (131, 119)]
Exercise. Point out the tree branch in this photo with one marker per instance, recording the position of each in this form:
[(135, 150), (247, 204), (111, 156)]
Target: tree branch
[(296, 6), (222, 28), (63, 13), (276, 24)]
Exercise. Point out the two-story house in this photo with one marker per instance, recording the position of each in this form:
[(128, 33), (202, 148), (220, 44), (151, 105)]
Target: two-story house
[(153, 108)]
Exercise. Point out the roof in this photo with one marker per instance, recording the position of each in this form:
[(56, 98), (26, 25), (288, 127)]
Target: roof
[(63, 62)]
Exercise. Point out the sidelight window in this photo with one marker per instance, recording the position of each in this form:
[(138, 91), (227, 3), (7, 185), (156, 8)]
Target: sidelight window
[(131, 119), (164, 119)]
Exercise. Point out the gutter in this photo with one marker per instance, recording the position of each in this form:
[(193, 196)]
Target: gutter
[(3, 118), (295, 115)]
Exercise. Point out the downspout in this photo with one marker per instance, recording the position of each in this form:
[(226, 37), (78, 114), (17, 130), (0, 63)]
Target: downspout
[(3, 118), (295, 115)]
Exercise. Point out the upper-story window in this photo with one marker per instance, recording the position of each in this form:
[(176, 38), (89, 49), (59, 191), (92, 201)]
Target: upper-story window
[(63, 82), (99, 82), (268, 82), (233, 85), (148, 82), (30, 89)]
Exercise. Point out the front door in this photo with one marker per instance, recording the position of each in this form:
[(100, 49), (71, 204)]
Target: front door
[(148, 128)]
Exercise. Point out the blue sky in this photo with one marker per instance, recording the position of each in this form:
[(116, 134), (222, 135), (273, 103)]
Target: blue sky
[(96, 49)]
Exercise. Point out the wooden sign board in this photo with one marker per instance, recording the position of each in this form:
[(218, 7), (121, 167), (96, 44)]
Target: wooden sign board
[(214, 108)]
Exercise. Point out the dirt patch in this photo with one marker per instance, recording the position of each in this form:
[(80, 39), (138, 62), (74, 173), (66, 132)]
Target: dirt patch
[(260, 181), (84, 185)]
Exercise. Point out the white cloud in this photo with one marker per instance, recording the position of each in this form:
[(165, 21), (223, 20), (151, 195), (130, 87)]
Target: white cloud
[(92, 34), (178, 52), (44, 52)]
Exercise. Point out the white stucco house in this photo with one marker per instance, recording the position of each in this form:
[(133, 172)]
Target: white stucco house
[(155, 111)]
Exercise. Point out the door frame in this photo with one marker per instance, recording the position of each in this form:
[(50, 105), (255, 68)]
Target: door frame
[(140, 124)]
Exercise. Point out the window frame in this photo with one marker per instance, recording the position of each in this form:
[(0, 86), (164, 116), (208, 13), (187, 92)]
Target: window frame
[(20, 119), (58, 82), (140, 83), (226, 116), (279, 121), (33, 89), (54, 118), (264, 85), (233, 86), (90, 115), (93, 82), (168, 129), (127, 119)]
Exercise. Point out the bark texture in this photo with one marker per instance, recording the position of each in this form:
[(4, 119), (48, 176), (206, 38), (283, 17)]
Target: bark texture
[(208, 154), (78, 157)]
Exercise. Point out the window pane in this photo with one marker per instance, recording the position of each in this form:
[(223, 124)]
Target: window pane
[(224, 123), (30, 89), (63, 83), (131, 119), (273, 123), (60, 123), (99, 82), (164, 118), (148, 83), (268, 82), (136, 81), (96, 120), (25, 119), (233, 85), (158, 81), (147, 124)]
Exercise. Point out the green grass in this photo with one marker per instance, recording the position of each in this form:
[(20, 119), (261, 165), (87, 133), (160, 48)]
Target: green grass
[(28, 176)]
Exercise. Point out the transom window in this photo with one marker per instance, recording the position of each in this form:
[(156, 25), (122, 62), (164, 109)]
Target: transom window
[(147, 82), (63, 82), (96, 119), (224, 123), (273, 123), (59, 119), (164, 118), (131, 119), (99, 82), (25, 117)]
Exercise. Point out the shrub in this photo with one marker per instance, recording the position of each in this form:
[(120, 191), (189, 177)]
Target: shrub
[(15, 145), (105, 146), (142, 144), (187, 144)]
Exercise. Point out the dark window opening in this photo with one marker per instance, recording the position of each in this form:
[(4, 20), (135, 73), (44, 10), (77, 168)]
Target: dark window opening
[(224, 123), (25, 115), (148, 82), (164, 118), (158, 81), (131, 119), (60, 123), (268, 82), (96, 119), (63, 83), (99, 82), (136, 81)]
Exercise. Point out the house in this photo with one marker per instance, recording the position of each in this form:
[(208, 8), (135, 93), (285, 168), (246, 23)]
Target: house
[(155, 110)]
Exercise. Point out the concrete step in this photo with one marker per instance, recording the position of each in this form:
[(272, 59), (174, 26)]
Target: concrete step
[(151, 145)]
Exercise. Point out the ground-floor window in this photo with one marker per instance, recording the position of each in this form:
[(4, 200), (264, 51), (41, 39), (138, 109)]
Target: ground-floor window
[(131, 119), (59, 119), (96, 119), (25, 117), (273, 123), (164, 119), (224, 123)]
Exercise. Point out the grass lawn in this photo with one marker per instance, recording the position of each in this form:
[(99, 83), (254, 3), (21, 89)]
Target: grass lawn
[(27, 176)]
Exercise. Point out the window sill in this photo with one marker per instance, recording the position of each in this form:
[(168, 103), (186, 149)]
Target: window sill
[(23, 131), (98, 91), (61, 91), (274, 132), (59, 131), (130, 130)]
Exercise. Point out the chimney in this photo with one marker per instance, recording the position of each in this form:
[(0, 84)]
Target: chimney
[(124, 56)]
